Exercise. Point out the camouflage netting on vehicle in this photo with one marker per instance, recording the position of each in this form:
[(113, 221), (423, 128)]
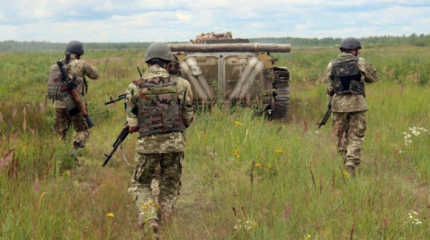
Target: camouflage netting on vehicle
[(211, 35)]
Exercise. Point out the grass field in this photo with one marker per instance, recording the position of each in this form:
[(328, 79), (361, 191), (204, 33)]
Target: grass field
[(243, 177)]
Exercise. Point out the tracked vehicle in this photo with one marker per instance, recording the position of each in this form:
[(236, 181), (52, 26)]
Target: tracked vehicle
[(223, 69)]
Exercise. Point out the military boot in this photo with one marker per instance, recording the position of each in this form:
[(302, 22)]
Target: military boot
[(151, 230), (351, 170), (76, 146)]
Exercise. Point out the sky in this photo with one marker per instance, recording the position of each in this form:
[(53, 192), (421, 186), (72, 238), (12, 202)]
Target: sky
[(182, 20)]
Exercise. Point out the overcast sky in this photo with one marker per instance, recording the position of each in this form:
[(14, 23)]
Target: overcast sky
[(182, 20)]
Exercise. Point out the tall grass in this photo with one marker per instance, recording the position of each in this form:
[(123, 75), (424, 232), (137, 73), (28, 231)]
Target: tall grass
[(243, 177)]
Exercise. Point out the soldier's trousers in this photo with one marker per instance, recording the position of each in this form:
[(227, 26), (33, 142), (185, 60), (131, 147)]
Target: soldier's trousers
[(63, 122), (350, 129), (167, 169)]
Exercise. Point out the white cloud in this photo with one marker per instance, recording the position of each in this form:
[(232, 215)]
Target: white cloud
[(183, 17), (107, 6), (181, 20)]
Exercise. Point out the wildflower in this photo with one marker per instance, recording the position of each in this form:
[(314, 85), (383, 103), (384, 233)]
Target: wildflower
[(150, 205), (257, 165), (413, 218), (109, 215), (247, 225), (238, 226), (68, 172), (346, 174), (237, 123), (278, 150), (415, 131), (236, 153), (269, 165)]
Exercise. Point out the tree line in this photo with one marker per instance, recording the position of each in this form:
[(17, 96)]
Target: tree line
[(421, 40)]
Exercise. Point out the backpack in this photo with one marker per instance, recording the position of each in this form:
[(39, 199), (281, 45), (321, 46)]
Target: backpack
[(55, 84)]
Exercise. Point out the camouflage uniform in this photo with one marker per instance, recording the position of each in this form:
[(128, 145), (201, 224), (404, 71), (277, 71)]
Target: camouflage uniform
[(80, 69), (158, 156), (349, 112)]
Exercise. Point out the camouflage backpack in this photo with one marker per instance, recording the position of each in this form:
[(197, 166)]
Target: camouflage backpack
[(55, 84)]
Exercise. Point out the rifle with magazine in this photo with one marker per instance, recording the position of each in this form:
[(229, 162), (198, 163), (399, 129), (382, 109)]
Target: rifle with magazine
[(121, 136), (71, 85), (124, 132), (326, 116)]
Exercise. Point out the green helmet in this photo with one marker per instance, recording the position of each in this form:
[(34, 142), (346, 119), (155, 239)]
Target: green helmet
[(350, 44), (75, 47), (159, 50)]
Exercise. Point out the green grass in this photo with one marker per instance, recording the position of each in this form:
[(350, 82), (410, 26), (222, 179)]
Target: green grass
[(285, 179)]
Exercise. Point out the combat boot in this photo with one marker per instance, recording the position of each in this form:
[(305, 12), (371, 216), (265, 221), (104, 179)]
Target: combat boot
[(76, 146), (351, 170), (151, 230)]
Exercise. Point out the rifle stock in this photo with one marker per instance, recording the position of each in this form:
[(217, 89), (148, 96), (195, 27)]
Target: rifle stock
[(71, 87)]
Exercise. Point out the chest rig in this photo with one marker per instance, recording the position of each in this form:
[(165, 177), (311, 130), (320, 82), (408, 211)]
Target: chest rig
[(346, 77), (158, 104)]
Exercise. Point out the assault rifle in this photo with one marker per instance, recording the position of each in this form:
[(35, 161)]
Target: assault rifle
[(71, 85), (122, 135), (326, 116)]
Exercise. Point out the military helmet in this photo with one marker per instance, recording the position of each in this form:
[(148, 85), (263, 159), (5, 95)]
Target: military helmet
[(350, 44), (159, 50), (75, 47)]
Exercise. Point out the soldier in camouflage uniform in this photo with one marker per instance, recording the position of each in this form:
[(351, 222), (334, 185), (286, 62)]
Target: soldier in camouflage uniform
[(160, 109), (79, 68), (344, 82)]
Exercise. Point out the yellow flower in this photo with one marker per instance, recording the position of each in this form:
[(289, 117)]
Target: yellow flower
[(278, 150), (68, 172), (236, 153), (237, 123), (269, 165), (150, 204), (109, 215), (256, 165), (346, 174)]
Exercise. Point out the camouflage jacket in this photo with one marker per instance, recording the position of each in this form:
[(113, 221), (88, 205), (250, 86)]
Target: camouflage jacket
[(166, 142), (80, 69), (350, 103)]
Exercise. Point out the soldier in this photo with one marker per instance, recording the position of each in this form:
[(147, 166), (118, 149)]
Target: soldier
[(160, 109), (344, 81), (78, 68)]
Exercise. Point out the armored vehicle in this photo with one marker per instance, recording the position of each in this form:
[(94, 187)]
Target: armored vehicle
[(223, 69)]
